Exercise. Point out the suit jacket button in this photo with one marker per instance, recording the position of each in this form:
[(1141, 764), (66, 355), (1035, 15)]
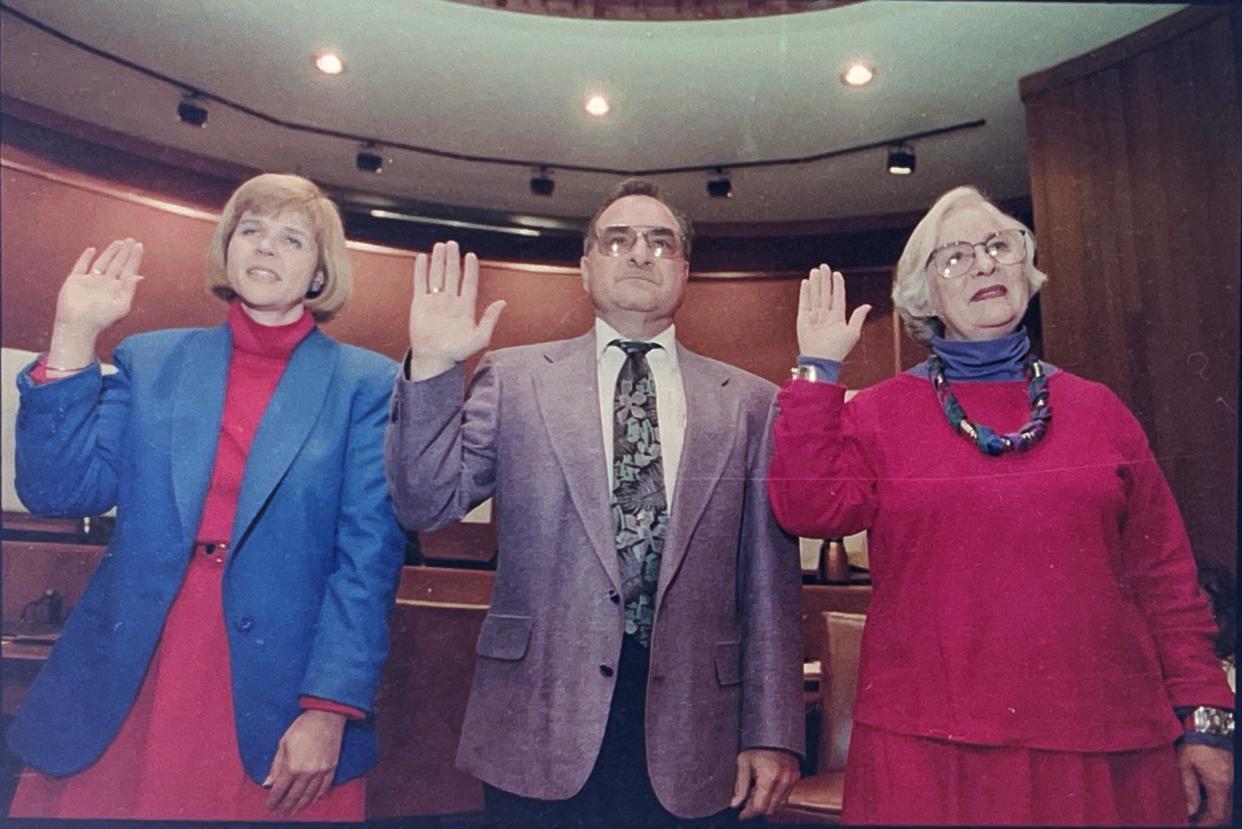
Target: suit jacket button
[(614, 597), (244, 624), (605, 670)]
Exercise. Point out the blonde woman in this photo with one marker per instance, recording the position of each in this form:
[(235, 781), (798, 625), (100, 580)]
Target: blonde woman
[(223, 661)]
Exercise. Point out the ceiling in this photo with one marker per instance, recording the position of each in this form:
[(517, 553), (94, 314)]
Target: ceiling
[(482, 81)]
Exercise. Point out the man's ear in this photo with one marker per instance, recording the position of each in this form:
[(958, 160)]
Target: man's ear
[(585, 267)]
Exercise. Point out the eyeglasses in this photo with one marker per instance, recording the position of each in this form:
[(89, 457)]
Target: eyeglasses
[(1006, 247), (618, 240)]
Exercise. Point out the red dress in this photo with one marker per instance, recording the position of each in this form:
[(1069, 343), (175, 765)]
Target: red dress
[(175, 756), (1035, 617)]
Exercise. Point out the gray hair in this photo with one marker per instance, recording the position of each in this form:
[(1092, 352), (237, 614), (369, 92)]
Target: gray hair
[(911, 296)]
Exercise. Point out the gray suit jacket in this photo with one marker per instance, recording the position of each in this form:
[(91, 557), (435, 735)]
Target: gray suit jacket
[(725, 650)]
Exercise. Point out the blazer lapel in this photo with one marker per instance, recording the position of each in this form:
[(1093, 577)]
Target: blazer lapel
[(286, 424), (577, 439), (711, 424), (197, 406)]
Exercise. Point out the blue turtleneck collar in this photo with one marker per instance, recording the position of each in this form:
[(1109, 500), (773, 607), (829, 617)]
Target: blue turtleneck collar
[(1000, 359)]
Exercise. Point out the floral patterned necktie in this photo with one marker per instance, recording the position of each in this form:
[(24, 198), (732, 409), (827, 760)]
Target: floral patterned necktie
[(639, 505)]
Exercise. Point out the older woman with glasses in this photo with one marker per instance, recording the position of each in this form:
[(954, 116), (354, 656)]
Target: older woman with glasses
[(1037, 649), (222, 663)]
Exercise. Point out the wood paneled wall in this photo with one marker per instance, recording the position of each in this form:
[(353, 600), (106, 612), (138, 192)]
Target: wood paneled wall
[(52, 211), (1135, 175)]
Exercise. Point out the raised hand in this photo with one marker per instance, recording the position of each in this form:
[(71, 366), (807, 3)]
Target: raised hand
[(822, 329), (98, 292), (443, 330)]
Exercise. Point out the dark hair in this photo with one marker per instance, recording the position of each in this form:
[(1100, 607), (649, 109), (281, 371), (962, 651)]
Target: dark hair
[(1218, 583), (640, 187)]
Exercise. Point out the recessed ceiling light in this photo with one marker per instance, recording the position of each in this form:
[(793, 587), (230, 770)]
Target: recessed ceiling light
[(597, 105), (329, 63), (858, 74)]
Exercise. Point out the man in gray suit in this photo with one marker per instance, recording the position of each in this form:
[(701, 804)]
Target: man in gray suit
[(640, 662)]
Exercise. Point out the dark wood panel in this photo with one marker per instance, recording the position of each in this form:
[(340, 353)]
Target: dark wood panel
[(420, 708), (1135, 174)]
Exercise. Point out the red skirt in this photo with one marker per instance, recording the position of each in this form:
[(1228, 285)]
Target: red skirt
[(901, 779), (175, 756)]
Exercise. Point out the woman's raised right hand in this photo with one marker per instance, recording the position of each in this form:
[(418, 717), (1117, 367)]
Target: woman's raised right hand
[(822, 329), (99, 290)]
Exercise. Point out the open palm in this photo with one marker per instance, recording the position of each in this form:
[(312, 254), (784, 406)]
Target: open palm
[(442, 313), (98, 293), (822, 328)]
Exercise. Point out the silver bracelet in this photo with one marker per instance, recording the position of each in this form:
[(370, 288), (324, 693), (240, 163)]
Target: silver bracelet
[(1208, 720), (811, 373), (50, 367)]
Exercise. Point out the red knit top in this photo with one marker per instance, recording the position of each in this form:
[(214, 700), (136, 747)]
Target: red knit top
[(1046, 599)]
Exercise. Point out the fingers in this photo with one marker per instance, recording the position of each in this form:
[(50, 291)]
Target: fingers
[(420, 274), (435, 278), (297, 793), (760, 802), (858, 318), (452, 268), (1216, 810), (325, 785), (119, 258), (742, 784), (278, 778), (470, 281), (837, 281), (487, 324), (1190, 787), (101, 264), (84, 261), (804, 295)]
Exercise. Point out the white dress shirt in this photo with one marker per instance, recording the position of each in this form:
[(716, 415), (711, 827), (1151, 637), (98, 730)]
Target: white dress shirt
[(670, 396)]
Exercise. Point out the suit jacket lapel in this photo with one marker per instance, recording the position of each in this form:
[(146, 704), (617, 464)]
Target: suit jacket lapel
[(711, 424), (286, 424), (197, 406), (577, 440)]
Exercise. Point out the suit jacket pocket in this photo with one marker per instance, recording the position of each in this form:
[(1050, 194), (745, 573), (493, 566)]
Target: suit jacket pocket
[(504, 637), (728, 663)]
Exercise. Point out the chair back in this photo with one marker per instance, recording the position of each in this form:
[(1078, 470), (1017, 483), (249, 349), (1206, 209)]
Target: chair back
[(838, 686)]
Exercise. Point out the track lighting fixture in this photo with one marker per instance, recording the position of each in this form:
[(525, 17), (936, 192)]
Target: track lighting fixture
[(369, 161), (541, 183), (720, 187), (191, 111), (901, 159)]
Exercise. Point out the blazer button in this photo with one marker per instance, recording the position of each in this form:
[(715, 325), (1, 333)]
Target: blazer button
[(605, 670), (614, 597), (244, 624)]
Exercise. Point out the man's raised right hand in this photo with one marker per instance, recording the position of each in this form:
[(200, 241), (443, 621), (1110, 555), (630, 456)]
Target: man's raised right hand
[(443, 330)]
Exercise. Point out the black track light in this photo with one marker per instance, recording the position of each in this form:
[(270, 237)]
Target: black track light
[(901, 159), (541, 183), (720, 187), (190, 111), (369, 161)]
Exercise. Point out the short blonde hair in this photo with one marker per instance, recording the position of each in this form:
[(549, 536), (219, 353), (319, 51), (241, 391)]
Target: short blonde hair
[(911, 296), (273, 193)]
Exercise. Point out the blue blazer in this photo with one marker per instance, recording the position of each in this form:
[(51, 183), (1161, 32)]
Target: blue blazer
[(316, 552)]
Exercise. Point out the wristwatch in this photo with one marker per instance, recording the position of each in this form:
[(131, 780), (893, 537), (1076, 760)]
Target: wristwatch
[(1207, 720), (811, 373)]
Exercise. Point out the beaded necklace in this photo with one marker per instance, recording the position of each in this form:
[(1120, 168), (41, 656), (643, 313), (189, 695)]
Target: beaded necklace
[(986, 440)]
